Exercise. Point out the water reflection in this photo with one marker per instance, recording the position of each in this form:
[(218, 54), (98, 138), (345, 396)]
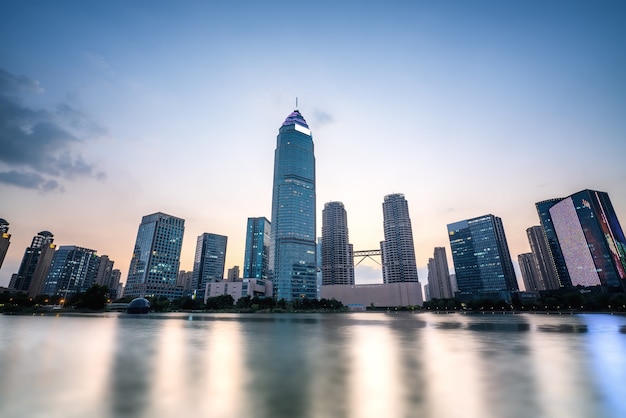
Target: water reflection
[(344, 365)]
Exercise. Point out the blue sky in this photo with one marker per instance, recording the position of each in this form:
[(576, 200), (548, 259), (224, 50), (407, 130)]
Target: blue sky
[(114, 110)]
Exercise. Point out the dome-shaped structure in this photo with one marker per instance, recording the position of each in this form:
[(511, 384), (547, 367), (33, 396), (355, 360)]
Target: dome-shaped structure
[(138, 306)]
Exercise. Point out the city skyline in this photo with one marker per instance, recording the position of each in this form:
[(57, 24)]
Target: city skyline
[(184, 122)]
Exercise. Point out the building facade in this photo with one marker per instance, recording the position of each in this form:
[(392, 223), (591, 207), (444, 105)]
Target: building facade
[(554, 247), (292, 237), (439, 285), (530, 274), (209, 261), (35, 265), (337, 262), (5, 239), (155, 262), (73, 270), (481, 257), (397, 250), (547, 276), (257, 251), (591, 239)]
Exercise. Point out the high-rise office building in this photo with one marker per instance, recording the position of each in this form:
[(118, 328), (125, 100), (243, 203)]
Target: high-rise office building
[(397, 250), (209, 262), (35, 264), (337, 252), (233, 273), (156, 257), (439, 276), (105, 269), (547, 276), (5, 239), (530, 274), (591, 239), (73, 270), (292, 238), (554, 248), (257, 251), (481, 257)]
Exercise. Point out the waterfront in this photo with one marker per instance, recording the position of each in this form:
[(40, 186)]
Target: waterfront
[(313, 365)]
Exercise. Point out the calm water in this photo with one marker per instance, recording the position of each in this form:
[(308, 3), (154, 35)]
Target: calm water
[(344, 365)]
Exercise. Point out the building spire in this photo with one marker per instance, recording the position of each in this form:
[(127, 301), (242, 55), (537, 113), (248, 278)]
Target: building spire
[(296, 102)]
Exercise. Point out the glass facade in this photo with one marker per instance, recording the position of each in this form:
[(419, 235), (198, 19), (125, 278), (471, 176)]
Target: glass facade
[(480, 252), (591, 239), (210, 260), (156, 256), (554, 248), (73, 270), (292, 238), (257, 251)]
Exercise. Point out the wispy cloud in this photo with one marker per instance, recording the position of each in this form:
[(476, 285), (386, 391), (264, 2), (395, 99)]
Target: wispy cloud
[(322, 117), (39, 146)]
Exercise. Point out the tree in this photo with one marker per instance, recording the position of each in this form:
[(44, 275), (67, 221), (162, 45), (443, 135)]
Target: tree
[(95, 298)]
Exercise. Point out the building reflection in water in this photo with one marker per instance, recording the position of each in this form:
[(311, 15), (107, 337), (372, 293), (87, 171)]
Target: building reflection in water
[(313, 365)]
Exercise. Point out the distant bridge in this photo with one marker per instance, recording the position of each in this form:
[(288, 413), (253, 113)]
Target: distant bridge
[(363, 254)]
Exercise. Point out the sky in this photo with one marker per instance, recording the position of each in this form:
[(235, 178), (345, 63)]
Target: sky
[(110, 111)]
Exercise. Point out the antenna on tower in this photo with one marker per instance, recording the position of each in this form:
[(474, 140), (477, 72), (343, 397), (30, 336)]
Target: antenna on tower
[(296, 102)]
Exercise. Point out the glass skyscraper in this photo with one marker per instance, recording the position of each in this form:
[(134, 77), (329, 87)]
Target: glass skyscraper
[(482, 261), (337, 252), (257, 251), (397, 250), (210, 260), (156, 257), (73, 270), (591, 239), (292, 239), (554, 248)]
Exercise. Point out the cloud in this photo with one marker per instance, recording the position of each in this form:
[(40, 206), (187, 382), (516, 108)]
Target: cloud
[(38, 144), (29, 181), (322, 118)]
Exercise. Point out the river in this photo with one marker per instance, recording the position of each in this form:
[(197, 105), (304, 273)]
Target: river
[(313, 365)]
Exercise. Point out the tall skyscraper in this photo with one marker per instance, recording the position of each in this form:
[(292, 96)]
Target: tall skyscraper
[(35, 264), (591, 239), (482, 261), (337, 252), (530, 274), (554, 248), (439, 275), (156, 257), (257, 251), (292, 239), (209, 262), (73, 270), (397, 250), (5, 239), (547, 276)]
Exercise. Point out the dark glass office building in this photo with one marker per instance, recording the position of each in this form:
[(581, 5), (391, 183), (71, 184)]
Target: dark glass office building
[(481, 257), (591, 239), (210, 260), (156, 257), (35, 265), (292, 239), (257, 251), (554, 248)]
